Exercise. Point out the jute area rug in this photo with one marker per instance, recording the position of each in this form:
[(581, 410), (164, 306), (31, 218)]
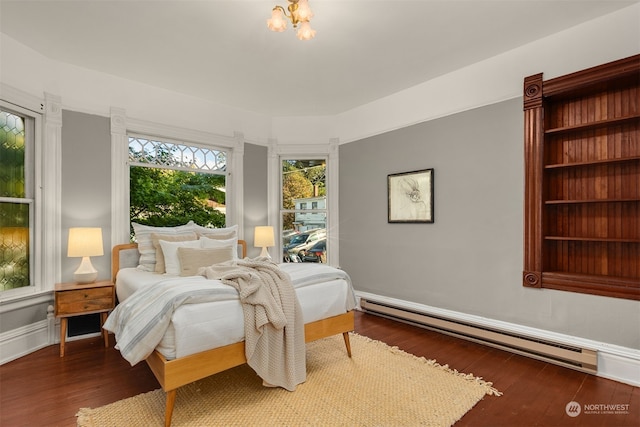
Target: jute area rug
[(378, 386)]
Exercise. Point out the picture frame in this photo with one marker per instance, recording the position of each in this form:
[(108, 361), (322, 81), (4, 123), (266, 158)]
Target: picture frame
[(411, 197)]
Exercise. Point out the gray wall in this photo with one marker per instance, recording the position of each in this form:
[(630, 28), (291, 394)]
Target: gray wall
[(86, 185), (85, 201), (24, 316), (255, 193), (470, 260)]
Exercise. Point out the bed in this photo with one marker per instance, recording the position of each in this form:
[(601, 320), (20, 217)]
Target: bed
[(177, 361)]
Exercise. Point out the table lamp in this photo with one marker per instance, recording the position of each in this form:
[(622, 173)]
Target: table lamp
[(85, 242), (263, 238)]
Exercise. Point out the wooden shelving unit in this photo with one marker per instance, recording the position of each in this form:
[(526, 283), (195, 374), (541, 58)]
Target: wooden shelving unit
[(582, 181)]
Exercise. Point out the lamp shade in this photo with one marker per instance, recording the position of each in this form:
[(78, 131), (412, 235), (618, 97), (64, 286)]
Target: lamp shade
[(304, 11), (277, 22), (85, 241), (305, 32), (263, 237)]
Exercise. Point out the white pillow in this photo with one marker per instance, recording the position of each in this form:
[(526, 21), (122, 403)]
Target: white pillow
[(231, 231), (170, 250), (143, 237), (155, 238), (218, 243)]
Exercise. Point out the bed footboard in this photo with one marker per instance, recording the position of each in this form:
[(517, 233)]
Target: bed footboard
[(172, 374)]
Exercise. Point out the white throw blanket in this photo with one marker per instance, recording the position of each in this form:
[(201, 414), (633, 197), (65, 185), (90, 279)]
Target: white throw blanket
[(273, 323)]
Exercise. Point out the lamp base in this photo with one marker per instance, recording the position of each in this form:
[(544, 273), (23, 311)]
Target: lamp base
[(85, 273), (264, 253)]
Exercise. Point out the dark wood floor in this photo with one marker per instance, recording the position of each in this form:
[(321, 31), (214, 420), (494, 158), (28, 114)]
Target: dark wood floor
[(42, 389)]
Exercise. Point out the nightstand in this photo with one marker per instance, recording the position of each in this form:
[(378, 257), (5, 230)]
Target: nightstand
[(74, 299)]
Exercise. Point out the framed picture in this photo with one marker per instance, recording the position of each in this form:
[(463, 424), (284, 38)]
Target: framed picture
[(411, 196)]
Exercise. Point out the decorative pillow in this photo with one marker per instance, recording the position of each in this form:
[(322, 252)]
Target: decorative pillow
[(155, 238), (220, 243), (170, 250), (218, 236), (192, 259), (147, 251), (211, 232)]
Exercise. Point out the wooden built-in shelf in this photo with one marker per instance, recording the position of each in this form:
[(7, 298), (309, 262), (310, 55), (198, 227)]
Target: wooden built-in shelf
[(593, 162), (582, 178), (592, 239), (593, 125), (613, 286), (567, 202)]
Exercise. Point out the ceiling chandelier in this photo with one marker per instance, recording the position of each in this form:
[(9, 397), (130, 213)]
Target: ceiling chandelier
[(299, 15)]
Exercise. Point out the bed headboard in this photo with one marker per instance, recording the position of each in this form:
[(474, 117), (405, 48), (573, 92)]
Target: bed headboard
[(127, 255)]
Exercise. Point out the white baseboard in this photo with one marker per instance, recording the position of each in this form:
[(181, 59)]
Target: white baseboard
[(22, 341), (615, 362), (27, 339)]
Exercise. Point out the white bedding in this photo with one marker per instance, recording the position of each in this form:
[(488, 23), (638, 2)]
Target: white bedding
[(199, 327)]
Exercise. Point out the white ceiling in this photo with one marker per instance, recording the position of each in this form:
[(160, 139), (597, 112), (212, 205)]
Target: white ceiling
[(222, 51)]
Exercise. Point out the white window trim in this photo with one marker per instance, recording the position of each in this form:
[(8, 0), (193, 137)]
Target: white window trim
[(278, 153), (121, 125), (47, 113)]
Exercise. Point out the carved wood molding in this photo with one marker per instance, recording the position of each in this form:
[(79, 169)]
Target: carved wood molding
[(532, 279), (533, 91), (591, 76)]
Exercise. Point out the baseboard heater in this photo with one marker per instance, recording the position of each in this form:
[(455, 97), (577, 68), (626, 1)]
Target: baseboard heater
[(581, 359)]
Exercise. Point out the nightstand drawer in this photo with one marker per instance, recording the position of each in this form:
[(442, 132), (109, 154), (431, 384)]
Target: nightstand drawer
[(74, 299), (84, 300)]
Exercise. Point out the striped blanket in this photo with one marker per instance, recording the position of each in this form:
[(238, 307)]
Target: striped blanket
[(140, 322)]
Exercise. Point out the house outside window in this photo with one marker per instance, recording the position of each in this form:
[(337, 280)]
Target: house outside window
[(303, 185)]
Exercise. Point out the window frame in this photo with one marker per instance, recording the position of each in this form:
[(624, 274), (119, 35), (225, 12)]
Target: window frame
[(276, 154), (25, 107), (122, 126)]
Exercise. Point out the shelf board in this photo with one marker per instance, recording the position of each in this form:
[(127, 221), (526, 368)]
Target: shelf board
[(591, 239), (593, 162), (620, 287), (569, 202), (592, 125)]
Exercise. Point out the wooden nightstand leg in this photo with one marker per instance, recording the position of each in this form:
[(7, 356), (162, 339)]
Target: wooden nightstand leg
[(105, 333), (63, 334)]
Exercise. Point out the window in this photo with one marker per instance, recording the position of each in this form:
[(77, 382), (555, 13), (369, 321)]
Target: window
[(303, 184), (17, 199), (173, 183)]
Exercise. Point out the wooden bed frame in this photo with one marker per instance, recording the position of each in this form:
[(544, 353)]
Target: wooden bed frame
[(172, 374)]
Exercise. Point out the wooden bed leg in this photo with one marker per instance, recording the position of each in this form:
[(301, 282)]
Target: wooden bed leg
[(347, 342), (168, 410)]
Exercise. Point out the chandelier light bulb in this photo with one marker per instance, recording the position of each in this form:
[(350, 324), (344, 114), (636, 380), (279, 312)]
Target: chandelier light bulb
[(277, 22), (305, 32), (304, 11)]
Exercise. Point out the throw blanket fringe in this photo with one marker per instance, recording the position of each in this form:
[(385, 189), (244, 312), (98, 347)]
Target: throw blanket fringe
[(274, 327)]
